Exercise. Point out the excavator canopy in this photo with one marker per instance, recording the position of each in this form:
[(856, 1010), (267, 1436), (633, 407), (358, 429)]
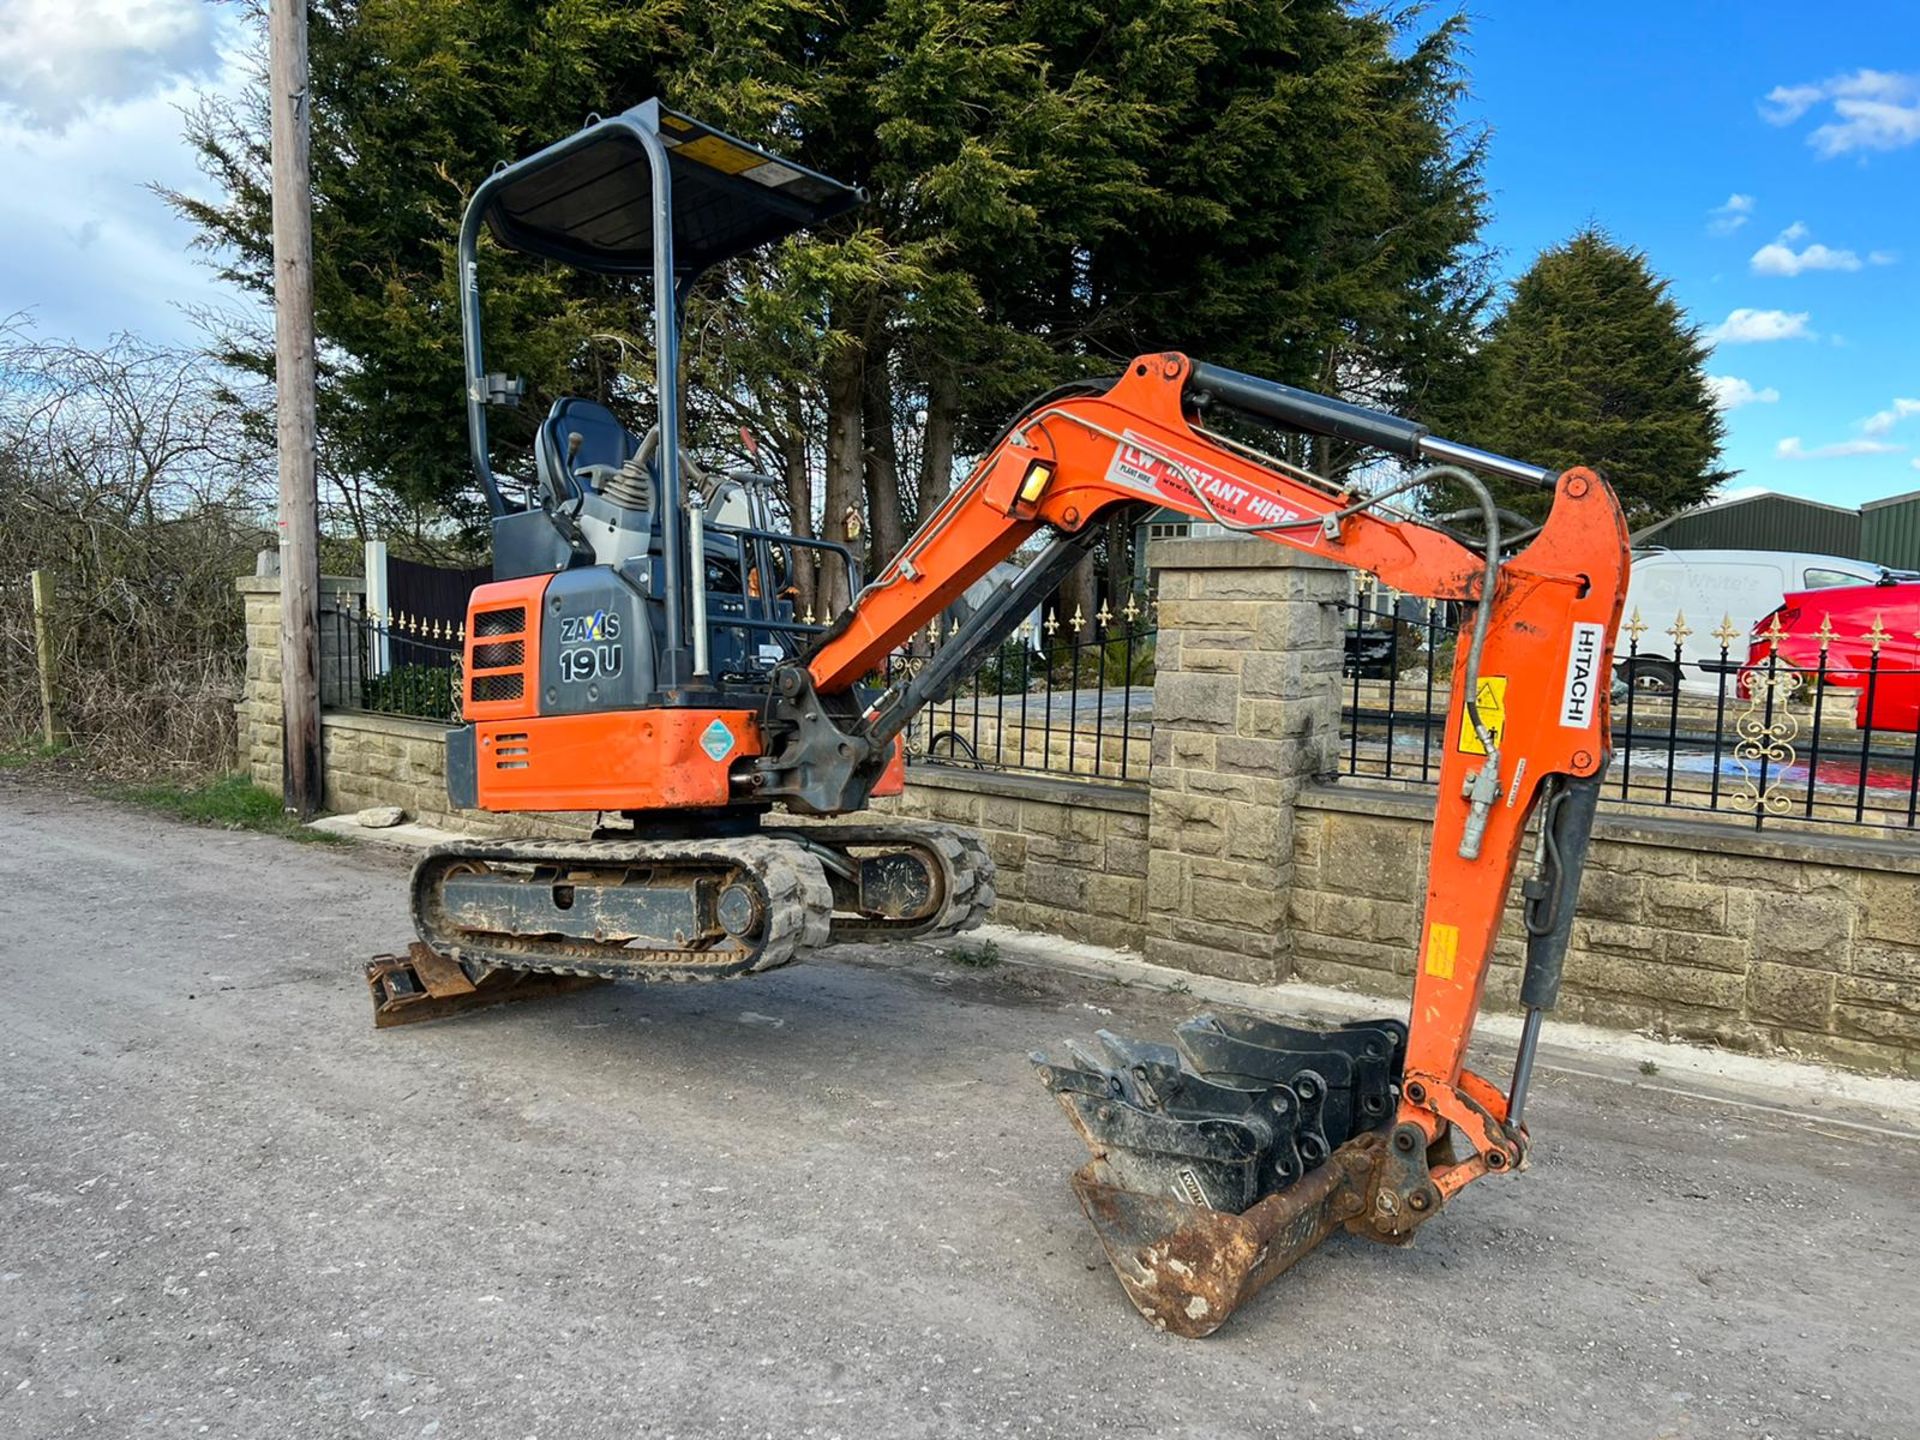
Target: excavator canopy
[(590, 200)]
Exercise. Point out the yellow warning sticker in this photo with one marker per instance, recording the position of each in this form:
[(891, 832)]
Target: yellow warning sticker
[(720, 154), (1492, 698), (1443, 946)]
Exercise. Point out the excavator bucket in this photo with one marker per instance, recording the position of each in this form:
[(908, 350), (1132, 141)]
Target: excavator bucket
[(1220, 1161), (1186, 1267)]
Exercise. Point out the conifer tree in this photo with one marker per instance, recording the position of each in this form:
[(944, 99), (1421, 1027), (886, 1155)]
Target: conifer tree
[(1592, 362)]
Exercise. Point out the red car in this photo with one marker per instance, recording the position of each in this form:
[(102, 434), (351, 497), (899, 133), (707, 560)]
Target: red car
[(1854, 612)]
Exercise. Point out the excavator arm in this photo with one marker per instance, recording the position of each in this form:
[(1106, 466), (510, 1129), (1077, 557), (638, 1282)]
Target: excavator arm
[(1527, 732)]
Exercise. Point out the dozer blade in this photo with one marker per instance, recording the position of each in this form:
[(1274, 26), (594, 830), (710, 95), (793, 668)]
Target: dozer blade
[(423, 984), (1186, 1268)]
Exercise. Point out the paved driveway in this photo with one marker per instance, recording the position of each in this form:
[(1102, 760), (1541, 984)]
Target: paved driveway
[(829, 1201)]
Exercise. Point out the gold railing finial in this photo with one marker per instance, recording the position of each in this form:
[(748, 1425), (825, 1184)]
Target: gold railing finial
[(1879, 634)]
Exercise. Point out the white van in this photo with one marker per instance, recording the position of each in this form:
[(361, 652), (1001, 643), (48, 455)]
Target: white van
[(1707, 587)]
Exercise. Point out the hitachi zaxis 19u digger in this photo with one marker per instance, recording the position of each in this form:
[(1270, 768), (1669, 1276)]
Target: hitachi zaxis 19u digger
[(637, 655)]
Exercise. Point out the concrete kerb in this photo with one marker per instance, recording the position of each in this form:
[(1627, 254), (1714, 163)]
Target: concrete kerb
[(408, 835), (1879, 1104), (1883, 1104)]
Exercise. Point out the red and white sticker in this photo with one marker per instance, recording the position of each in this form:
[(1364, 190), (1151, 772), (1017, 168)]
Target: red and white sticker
[(1147, 472), (1585, 685)]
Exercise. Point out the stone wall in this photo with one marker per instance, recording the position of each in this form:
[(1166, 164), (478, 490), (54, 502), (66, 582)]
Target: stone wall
[(1246, 708), (366, 759), (1703, 931), (392, 760), (1237, 857), (259, 707)]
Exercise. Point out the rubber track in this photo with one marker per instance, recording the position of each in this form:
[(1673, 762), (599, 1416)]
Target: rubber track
[(793, 889), (965, 864)]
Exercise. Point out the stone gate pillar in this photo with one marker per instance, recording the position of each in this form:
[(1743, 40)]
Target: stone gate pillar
[(1246, 709)]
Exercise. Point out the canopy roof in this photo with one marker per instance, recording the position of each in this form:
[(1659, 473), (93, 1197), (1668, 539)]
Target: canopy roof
[(588, 200)]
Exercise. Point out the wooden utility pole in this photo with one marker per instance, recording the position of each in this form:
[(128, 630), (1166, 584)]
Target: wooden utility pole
[(51, 731), (300, 770)]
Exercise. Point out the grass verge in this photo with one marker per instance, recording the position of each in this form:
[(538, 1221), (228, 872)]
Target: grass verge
[(232, 802), (20, 756)]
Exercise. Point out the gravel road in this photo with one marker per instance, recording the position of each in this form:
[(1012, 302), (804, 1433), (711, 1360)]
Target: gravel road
[(829, 1201)]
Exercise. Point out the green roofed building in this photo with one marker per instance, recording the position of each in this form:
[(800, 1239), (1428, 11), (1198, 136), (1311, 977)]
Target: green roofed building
[(1890, 531), (1760, 522), (1882, 532)]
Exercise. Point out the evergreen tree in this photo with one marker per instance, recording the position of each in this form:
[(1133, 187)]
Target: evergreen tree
[(1593, 363)]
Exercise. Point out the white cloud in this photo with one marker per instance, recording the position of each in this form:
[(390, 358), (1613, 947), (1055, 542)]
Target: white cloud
[(1791, 449), (1778, 259), (1872, 110), (1745, 326), (61, 58), (1739, 492), (1730, 392), (1785, 104), (1881, 421), (1727, 218), (84, 245)]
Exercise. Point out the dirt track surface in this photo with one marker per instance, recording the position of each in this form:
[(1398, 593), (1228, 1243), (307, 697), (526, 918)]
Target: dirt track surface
[(826, 1202)]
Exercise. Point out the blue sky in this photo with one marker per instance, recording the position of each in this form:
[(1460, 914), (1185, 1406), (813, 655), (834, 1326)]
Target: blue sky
[(1651, 118), (1766, 157)]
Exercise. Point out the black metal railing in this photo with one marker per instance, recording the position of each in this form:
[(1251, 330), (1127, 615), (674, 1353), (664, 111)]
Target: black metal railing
[(1743, 731), (1069, 696), (392, 664)]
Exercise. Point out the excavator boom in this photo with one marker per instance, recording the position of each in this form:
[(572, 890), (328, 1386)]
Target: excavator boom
[(1527, 734)]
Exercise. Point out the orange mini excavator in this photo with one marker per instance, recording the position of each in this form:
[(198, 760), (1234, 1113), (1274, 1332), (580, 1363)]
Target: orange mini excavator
[(637, 656)]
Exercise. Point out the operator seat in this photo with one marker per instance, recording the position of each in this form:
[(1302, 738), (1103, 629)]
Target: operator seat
[(604, 441)]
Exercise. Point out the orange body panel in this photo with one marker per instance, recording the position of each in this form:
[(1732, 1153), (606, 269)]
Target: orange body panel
[(620, 760), (893, 780), (503, 650)]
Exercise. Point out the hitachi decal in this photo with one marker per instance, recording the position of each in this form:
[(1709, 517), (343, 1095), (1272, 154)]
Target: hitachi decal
[(1580, 697)]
